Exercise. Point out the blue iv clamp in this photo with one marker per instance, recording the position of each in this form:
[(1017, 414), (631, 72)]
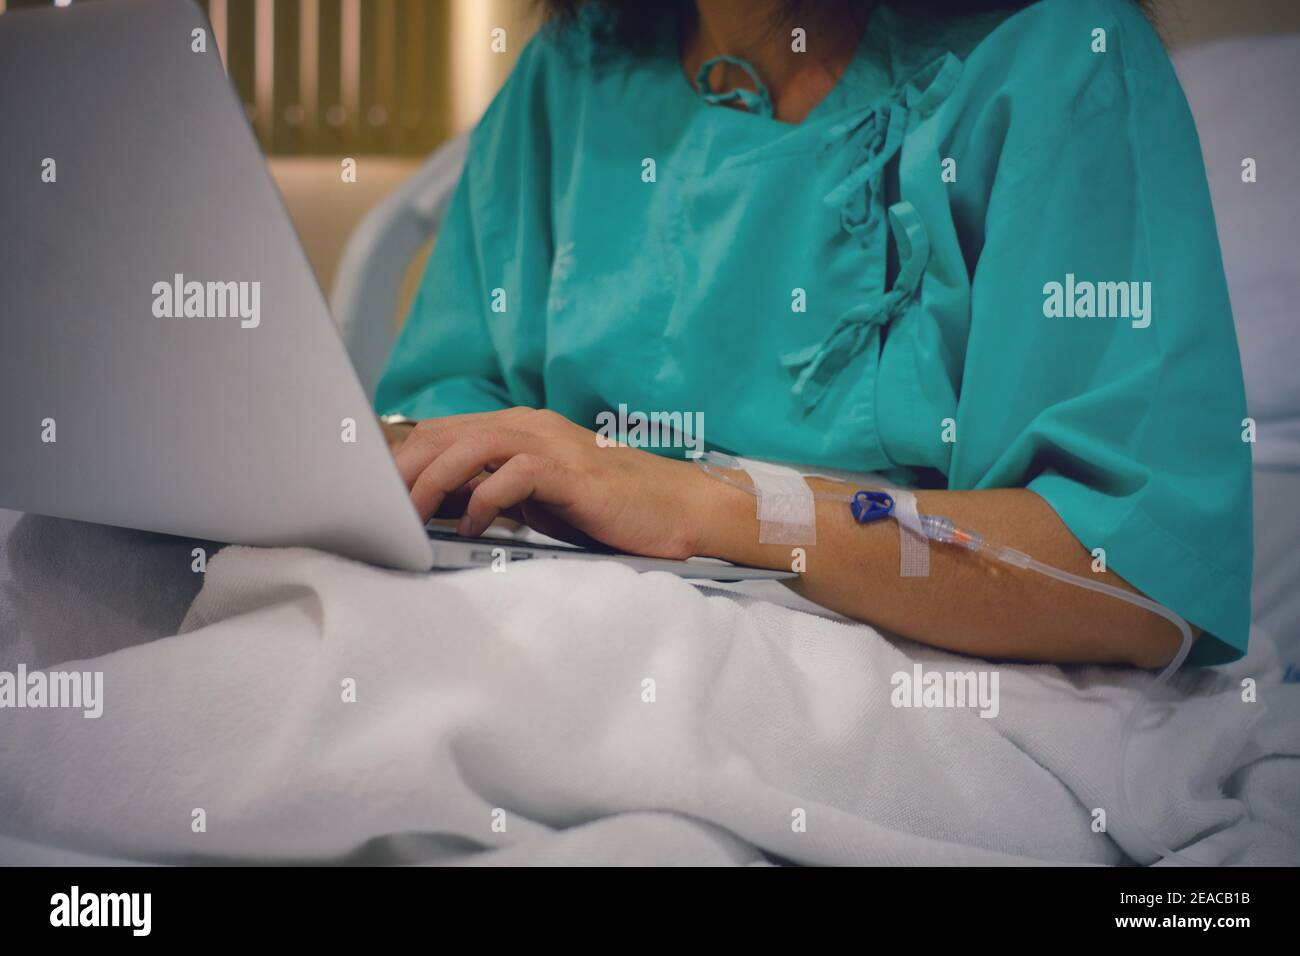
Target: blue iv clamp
[(870, 506)]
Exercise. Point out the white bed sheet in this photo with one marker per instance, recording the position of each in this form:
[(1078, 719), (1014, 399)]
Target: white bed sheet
[(522, 692)]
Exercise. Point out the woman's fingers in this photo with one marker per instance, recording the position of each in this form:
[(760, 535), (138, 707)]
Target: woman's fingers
[(454, 502), (522, 477), (443, 461), (426, 441), (476, 452), (431, 437)]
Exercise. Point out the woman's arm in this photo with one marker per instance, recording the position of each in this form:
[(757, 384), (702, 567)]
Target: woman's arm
[(540, 468), (968, 603)]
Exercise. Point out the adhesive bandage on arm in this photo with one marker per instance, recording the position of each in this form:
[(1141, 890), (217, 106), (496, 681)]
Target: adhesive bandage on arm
[(787, 511), (913, 544)]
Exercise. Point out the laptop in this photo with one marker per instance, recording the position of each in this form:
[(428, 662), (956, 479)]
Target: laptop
[(167, 360)]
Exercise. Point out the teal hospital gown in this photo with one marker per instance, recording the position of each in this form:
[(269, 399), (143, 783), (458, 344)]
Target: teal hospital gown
[(986, 259)]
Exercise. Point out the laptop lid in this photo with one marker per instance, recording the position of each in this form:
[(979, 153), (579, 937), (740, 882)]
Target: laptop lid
[(167, 361)]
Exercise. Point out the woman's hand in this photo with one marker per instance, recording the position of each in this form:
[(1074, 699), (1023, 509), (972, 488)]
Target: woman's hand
[(542, 469)]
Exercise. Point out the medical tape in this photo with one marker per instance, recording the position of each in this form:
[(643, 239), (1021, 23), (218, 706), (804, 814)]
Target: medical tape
[(913, 545), (787, 511)]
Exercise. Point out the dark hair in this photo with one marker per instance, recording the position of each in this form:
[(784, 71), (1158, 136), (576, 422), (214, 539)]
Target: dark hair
[(639, 23)]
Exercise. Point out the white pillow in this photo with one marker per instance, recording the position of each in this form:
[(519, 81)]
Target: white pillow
[(1243, 95)]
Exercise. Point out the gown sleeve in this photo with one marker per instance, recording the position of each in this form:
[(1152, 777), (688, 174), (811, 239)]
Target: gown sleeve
[(1132, 432), (443, 362), (474, 338)]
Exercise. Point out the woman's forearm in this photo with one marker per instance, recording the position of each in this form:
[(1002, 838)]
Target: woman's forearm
[(557, 476), (968, 603)]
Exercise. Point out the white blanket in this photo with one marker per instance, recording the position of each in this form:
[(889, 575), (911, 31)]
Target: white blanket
[(506, 718)]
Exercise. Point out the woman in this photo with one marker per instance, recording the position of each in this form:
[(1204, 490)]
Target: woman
[(968, 248)]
